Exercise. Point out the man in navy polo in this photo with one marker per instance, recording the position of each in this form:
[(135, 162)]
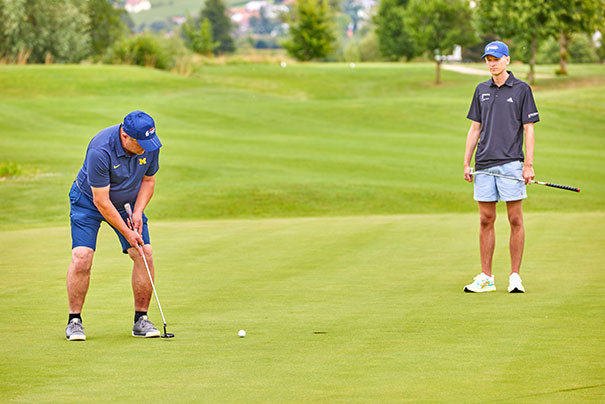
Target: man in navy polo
[(120, 167), (502, 112)]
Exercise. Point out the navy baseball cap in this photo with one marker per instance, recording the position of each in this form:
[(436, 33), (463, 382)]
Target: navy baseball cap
[(496, 48), (141, 126)]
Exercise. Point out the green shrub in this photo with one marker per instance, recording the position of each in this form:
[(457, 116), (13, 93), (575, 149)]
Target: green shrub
[(351, 52), (9, 169), (369, 50), (582, 49), (147, 50)]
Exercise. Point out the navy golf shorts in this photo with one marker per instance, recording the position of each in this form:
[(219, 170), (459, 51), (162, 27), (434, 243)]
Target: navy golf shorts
[(86, 220)]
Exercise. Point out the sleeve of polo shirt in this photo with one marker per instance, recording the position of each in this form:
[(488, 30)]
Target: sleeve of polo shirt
[(529, 111), (98, 163), (155, 164), (474, 113)]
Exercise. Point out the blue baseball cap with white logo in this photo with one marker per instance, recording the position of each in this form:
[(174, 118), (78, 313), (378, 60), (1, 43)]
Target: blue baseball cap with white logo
[(497, 49), (141, 126)]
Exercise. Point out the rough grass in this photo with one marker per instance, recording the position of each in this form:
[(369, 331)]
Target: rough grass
[(307, 140)]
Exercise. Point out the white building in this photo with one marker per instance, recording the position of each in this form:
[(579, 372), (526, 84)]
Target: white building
[(136, 6)]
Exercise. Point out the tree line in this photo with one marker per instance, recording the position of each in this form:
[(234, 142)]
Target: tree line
[(68, 31)]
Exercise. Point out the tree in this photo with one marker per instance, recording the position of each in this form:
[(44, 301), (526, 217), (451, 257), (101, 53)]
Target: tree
[(575, 16), (215, 12), (44, 29), (311, 32), (526, 21), (106, 25), (199, 39), (439, 25), (393, 31)]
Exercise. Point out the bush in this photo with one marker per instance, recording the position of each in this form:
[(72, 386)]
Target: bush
[(9, 169), (369, 48), (36, 31), (147, 50), (580, 49), (351, 52), (548, 52)]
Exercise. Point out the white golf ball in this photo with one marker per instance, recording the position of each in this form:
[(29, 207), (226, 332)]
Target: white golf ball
[(241, 333), (282, 64), (352, 65)]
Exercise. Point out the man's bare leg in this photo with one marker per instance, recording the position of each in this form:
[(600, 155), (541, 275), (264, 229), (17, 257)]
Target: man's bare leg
[(78, 277), (141, 287)]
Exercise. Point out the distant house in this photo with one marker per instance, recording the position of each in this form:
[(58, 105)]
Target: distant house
[(136, 6), (242, 16), (179, 20)]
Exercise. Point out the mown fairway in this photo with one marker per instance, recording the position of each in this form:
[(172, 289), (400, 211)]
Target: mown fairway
[(321, 209)]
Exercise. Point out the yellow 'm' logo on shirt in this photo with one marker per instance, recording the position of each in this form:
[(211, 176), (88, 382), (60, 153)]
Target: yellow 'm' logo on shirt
[(143, 161)]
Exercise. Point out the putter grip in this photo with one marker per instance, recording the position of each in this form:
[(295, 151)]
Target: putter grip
[(563, 187), (128, 209)]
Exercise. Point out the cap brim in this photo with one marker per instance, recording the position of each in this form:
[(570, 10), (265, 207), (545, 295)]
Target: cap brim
[(150, 144), (494, 54)]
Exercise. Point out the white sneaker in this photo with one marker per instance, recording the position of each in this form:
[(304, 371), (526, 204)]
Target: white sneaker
[(514, 284), (481, 283)]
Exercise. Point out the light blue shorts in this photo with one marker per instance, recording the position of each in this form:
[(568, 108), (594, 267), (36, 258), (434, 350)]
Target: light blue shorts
[(493, 189)]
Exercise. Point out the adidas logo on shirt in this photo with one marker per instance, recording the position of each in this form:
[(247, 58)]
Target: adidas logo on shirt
[(510, 99)]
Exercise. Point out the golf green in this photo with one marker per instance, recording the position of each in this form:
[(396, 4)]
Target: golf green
[(350, 310)]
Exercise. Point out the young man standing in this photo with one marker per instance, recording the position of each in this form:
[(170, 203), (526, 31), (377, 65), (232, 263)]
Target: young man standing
[(119, 168), (502, 112)]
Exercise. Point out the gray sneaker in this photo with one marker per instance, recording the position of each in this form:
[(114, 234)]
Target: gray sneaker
[(75, 330), (144, 328)]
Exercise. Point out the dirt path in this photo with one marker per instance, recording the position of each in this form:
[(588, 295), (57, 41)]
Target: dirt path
[(479, 72)]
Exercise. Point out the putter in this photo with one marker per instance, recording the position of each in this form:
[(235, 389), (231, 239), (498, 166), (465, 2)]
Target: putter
[(157, 299), (548, 184)]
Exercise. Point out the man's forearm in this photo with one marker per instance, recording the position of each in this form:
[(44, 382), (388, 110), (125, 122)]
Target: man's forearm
[(111, 214), (145, 194)]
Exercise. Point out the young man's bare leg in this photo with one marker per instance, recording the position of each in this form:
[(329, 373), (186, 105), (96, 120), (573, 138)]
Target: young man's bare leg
[(487, 235), (517, 234)]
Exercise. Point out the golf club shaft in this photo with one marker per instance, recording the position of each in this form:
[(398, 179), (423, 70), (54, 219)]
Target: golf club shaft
[(153, 287), (129, 212), (548, 184)]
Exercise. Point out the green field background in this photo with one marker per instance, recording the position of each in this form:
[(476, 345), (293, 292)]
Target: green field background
[(319, 207)]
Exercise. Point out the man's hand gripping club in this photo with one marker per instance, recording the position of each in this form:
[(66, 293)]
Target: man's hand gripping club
[(136, 225)]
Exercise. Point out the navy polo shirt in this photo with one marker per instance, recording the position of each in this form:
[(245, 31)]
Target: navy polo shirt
[(502, 112), (107, 163)]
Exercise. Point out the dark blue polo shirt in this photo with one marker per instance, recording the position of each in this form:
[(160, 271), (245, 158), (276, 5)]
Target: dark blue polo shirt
[(502, 112), (107, 163)]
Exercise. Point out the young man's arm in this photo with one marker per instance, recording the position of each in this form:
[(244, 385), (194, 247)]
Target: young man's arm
[(110, 213), (528, 166), (471, 142)]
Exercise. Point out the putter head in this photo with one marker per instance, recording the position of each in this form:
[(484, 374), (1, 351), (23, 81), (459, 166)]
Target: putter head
[(167, 334)]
